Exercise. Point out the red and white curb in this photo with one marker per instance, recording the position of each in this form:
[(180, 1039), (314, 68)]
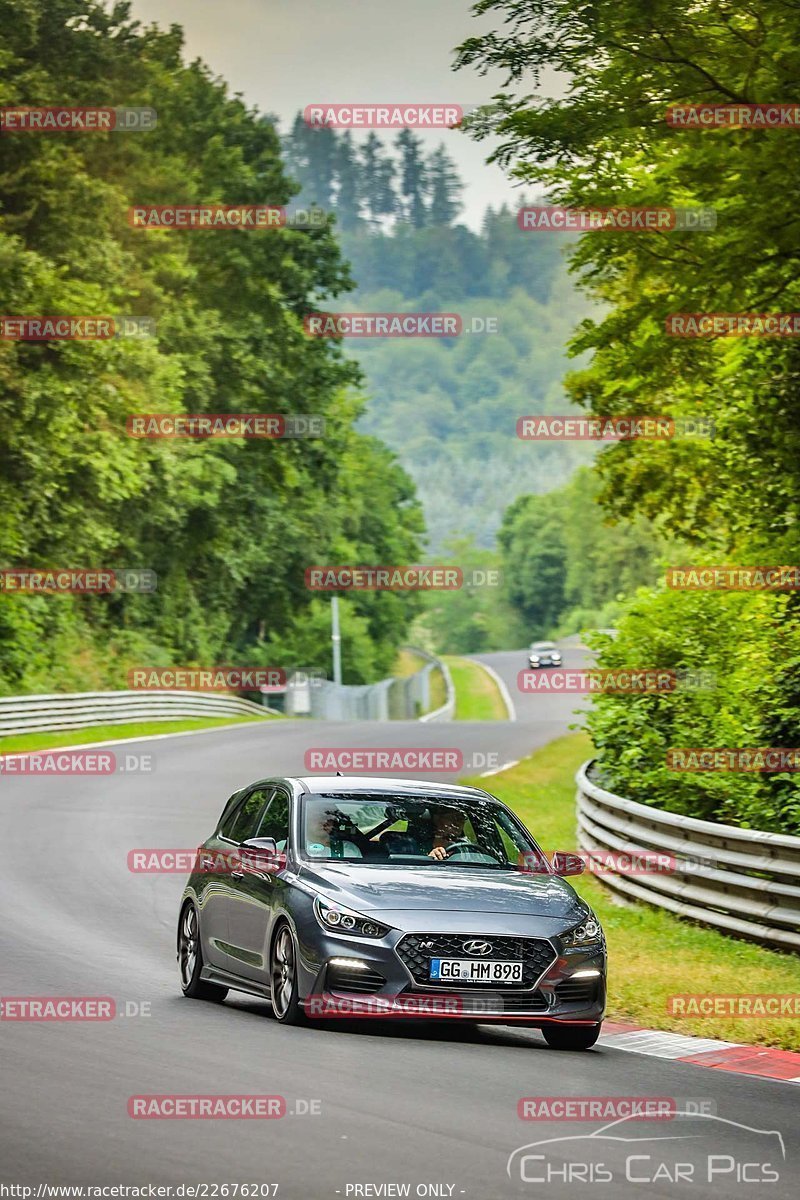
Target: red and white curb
[(703, 1052)]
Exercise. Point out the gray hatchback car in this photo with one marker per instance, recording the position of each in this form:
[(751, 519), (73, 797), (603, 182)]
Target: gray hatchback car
[(350, 896)]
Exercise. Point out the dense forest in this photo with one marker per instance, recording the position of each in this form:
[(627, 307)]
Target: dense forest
[(734, 499), (227, 526), (447, 407)]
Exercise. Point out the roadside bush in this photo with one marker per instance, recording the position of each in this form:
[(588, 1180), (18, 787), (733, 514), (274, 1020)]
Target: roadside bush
[(749, 645)]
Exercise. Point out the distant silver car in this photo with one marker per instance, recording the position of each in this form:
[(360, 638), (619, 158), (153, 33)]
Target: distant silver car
[(345, 895), (544, 654)]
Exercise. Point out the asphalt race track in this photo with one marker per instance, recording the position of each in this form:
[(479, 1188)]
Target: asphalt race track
[(418, 1104)]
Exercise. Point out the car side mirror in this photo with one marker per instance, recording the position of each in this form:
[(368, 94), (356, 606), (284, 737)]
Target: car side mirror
[(261, 854), (568, 864)]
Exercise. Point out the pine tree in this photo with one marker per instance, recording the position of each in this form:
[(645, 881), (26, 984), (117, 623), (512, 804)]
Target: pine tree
[(377, 181), (413, 178), (445, 188), (322, 166), (349, 183)]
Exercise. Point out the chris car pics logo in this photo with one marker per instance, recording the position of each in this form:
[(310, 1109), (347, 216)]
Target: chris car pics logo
[(696, 1147)]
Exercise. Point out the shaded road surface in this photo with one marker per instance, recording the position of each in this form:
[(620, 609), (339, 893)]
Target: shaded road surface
[(418, 1105)]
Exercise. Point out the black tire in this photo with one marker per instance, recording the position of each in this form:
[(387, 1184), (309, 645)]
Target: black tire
[(190, 959), (283, 978), (571, 1037)]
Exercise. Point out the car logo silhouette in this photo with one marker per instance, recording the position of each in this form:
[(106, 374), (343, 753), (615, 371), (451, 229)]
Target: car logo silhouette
[(477, 947)]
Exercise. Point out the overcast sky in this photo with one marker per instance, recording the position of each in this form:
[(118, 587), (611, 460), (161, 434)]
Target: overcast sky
[(284, 54)]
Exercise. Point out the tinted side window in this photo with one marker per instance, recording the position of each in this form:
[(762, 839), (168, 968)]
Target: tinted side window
[(230, 805), (275, 822), (243, 822)]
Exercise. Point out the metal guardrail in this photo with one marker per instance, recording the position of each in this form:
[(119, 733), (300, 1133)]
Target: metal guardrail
[(742, 881), (76, 710)]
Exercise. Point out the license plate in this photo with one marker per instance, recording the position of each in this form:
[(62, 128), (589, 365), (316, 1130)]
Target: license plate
[(467, 970)]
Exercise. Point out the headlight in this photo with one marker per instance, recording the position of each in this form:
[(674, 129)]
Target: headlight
[(588, 933), (343, 920), (534, 658)]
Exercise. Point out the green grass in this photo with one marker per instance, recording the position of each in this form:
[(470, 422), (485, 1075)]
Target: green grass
[(104, 733), (407, 663), (652, 954), (438, 690), (477, 695)]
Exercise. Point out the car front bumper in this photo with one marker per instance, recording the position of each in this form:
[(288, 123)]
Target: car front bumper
[(360, 977)]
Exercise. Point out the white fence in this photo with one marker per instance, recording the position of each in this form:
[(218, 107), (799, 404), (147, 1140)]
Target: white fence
[(76, 710), (742, 881), (401, 698)]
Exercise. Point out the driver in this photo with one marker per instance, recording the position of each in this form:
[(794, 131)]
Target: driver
[(448, 827)]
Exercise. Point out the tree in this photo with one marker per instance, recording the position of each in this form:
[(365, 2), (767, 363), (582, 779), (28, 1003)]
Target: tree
[(534, 558), (228, 526), (377, 172), (348, 183), (606, 141), (413, 178), (445, 188)]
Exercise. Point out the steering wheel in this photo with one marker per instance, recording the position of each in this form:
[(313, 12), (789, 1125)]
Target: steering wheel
[(466, 844)]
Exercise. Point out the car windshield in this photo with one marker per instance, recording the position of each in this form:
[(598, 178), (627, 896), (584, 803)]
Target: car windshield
[(427, 831), (543, 646)]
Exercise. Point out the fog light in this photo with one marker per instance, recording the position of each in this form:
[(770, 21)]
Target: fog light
[(589, 973), (355, 963)]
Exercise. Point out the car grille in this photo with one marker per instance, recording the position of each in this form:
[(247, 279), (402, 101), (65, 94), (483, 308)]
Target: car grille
[(575, 991), (346, 979), (415, 951)]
